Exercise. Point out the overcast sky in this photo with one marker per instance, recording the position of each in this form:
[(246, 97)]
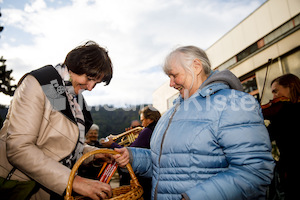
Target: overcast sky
[(138, 34)]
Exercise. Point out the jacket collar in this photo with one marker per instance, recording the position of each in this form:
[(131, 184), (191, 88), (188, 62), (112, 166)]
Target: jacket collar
[(211, 89)]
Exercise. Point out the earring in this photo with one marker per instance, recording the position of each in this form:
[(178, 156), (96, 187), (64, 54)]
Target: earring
[(70, 74)]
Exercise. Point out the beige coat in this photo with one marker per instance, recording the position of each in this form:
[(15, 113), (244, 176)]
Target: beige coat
[(34, 138)]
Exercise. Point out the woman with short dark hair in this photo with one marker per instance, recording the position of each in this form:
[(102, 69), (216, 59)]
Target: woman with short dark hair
[(43, 135)]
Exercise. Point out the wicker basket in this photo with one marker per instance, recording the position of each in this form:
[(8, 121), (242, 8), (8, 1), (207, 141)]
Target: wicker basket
[(134, 191)]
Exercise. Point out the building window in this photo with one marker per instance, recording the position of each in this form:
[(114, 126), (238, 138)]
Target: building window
[(250, 86), (297, 20), (248, 51), (228, 63), (279, 31)]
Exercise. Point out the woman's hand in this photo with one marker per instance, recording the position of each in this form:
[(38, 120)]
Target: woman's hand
[(122, 159), (93, 189), (105, 157)]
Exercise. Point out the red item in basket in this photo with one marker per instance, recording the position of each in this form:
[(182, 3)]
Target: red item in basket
[(107, 172)]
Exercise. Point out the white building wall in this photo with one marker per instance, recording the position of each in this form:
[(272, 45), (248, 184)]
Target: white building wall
[(162, 97), (264, 20)]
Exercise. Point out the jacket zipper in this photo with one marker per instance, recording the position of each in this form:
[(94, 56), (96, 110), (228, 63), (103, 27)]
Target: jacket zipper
[(161, 146)]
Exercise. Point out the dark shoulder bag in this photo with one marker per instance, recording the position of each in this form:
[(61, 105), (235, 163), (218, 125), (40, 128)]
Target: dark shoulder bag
[(12, 189)]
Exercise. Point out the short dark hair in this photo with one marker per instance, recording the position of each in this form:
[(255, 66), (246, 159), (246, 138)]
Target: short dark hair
[(150, 112), (90, 59)]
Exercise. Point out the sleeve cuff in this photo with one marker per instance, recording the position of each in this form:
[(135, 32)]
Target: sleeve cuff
[(130, 156)]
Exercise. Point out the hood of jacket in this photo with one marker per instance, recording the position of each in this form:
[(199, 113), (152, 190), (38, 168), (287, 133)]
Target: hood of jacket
[(219, 80), (226, 77)]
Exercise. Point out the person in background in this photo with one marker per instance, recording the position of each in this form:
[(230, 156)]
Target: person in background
[(92, 136), (90, 170), (212, 144), (44, 131), (149, 117), (283, 113)]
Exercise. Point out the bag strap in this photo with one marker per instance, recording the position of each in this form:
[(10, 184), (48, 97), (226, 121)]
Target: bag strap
[(51, 81), (10, 173), (53, 87)]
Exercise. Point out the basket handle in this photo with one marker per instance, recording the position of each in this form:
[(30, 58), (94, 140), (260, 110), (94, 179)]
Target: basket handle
[(80, 161)]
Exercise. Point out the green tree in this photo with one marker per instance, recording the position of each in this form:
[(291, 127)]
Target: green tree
[(113, 120), (5, 79), (5, 76)]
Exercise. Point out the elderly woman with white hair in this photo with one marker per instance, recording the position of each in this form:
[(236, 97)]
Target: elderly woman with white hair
[(212, 144), (92, 136)]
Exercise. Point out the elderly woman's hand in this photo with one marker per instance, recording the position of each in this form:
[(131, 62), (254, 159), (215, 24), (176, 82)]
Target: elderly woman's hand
[(122, 159), (93, 189), (108, 143)]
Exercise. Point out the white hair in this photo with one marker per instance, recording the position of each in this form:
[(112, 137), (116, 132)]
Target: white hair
[(185, 55), (94, 127)]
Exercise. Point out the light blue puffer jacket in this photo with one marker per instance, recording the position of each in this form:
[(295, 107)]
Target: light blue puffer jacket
[(213, 145)]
